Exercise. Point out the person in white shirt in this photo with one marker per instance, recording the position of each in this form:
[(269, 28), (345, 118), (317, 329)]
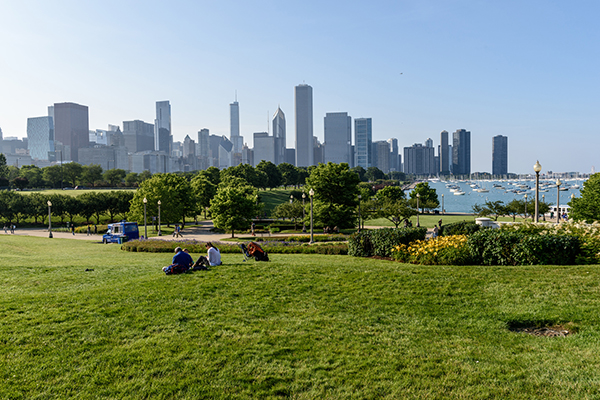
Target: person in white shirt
[(214, 258)]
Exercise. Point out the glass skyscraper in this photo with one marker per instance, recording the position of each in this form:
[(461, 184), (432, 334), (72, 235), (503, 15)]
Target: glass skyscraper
[(40, 137), (304, 126), (163, 138), (499, 155), (338, 138), (363, 142)]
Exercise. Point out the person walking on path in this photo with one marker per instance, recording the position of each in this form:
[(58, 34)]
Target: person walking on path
[(5, 229), (89, 230), (73, 229), (12, 229)]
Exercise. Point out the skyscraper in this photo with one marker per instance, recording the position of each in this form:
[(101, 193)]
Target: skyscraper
[(461, 152), (499, 155), (264, 148), (419, 160), (203, 149), (280, 136), (443, 153), (40, 137), (363, 142), (71, 129), (338, 138), (394, 159), (138, 135), (304, 126), (163, 138), (382, 155), (234, 127)]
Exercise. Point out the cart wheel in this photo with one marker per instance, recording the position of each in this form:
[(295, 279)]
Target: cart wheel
[(104, 241)]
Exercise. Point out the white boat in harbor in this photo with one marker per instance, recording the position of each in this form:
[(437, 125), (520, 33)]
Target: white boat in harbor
[(459, 193)]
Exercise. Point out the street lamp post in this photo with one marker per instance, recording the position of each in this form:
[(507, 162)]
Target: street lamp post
[(303, 213), (558, 183), (159, 234), (49, 219), (525, 207), (311, 193), (418, 196), (145, 225), (544, 202), (443, 203), (359, 197), (537, 168), (572, 198)]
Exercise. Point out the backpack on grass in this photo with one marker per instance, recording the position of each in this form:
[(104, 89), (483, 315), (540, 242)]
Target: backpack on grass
[(253, 249)]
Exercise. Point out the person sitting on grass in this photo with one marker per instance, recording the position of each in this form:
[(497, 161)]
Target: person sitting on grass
[(182, 262), (214, 258)]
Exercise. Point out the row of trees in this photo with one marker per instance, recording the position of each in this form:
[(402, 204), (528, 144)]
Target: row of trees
[(512, 209), (15, 207)]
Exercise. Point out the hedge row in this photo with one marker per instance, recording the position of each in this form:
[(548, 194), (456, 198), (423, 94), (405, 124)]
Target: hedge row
[(459, 228), (194, 246), (379, 242)]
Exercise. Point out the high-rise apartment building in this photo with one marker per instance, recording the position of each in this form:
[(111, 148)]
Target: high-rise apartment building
[(382, 155), (71, 129), (461, 152), (338, 138), (499, 155), (280, 136), (444, 154), (304, 126), (419, 160), (394, 159), (203, 149), (264, 148), (429, 142), (363, 142), (163, 136), (40, 138)]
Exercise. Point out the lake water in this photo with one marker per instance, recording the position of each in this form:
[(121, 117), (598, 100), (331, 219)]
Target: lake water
[(464, 203)]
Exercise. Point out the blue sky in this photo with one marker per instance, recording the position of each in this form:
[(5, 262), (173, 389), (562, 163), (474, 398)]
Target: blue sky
[(525, 69)]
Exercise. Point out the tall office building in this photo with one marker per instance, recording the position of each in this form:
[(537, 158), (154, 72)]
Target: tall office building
[(264, 148), (280, 136), (338, 138), (40, 138), (394, 159), (461, 152), (444, 154), (234, 128), (382, 155), (163, 137), (429, 142), (71, 129), (419, 160), (499, 155), (304, 126), (363, 142), (138, 136)]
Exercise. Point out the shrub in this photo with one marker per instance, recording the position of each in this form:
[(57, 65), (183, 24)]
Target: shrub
[(459, 228), (447, 250), (503, 247), (379, 242)]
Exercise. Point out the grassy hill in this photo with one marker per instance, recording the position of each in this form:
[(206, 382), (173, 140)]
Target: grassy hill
[(89, 321)]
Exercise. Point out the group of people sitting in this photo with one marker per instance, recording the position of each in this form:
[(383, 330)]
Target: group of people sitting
[(183, 261)]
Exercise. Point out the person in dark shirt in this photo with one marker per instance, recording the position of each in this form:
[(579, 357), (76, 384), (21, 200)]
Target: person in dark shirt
[(182, 261)]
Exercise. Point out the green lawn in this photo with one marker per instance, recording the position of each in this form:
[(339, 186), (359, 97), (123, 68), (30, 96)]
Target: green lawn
[(73, 193), (301, 327)]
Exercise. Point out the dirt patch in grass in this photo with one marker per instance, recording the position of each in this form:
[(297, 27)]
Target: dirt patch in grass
[(543, 328)]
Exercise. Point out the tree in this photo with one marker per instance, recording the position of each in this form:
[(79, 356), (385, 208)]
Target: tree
[(289, 174), (274, 176), (205, 190), (72, 172), (428, 198), (114, 176), (72, 207), (91, 174), (515, 207), (20, 182), (3, 167), (52, 175), (395, 211), (145, 174), (586, 207), (292, 210), (233, 207), (33, 174), (175, 194), (92, 204), (495, 208), (131, 179), (373, 174), (253, 177), (213, 174), (39, 206), (399, 176), (336, 192), (361, 173)]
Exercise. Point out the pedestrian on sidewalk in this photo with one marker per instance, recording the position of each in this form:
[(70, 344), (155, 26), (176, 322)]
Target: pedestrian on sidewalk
[(73, 229)]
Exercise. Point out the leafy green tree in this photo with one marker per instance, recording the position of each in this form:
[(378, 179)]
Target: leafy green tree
[(361, 173), (233, 207), (13, 172), (289, 174), (204, 190), (255, 178), (373, 174), (92, 204), (428, 198), (131, 179), (515, 207), (8, 201), (20, 182), (274, 176), (395, 211), (3, 167), (489, 208), (399, 176), (52, 175), (145, 174), (72, 207), (59, 202), (33, 174), (91, 174), (392, 193), (586, 207), (117, 202), (175, 194), (114, 177), (291, 210), (303, 174), (336, 192), (213, 174), (72, 172), (39, 206)]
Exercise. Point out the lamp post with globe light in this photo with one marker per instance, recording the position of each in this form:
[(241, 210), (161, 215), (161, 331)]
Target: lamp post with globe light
[(418, 196), (525, 207), (544, 202), (359, 197), (159, 234), (303, 213), (311, 193), (442, 203), (537, 168), (49, 220), (558, 183), (145, 225)]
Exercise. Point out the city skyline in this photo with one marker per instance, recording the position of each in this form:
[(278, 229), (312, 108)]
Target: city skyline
[(522, 70)]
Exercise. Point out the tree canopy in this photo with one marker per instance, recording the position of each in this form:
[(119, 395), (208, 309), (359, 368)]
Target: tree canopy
[(586, 207)]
